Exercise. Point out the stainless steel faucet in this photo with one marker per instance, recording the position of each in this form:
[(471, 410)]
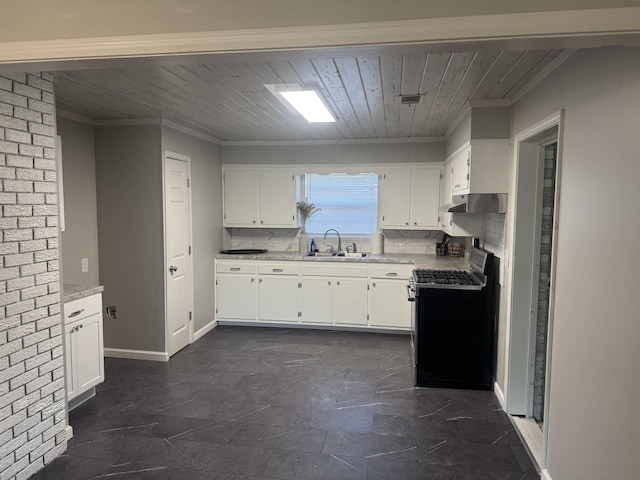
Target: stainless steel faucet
[(337, 233)]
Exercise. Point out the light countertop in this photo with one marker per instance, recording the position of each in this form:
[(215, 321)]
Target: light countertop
[(76, 292), (420, 261)]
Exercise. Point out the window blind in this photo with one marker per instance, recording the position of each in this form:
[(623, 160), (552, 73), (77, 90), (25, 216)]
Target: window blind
[(348, 203)]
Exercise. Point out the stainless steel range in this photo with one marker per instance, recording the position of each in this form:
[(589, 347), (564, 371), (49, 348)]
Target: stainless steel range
[(453, 321)]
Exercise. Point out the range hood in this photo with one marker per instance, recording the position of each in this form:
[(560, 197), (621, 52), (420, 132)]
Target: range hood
[(479, 203)]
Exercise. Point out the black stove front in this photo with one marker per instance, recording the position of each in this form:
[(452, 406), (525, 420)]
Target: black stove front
[(453, 332)]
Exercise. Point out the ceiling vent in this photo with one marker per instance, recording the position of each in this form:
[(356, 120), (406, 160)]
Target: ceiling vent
[(410, 99)]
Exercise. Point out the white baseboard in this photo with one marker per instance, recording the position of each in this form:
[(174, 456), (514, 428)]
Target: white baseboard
[(204, 330), (499, 395), (69, 431), (545, 475), (136, 354)]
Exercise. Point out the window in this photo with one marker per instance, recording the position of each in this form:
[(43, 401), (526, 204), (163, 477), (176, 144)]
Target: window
[(348, 203)]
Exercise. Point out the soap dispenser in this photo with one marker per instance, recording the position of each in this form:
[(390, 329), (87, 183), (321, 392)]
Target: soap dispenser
[(312, 247)]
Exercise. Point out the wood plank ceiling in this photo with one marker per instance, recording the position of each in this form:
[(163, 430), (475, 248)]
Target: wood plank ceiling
[(229, 101)]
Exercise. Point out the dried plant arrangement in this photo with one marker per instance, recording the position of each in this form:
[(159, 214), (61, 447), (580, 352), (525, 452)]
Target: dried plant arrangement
[(307, 210)]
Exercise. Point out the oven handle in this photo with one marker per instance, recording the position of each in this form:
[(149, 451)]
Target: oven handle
[(411, 292)]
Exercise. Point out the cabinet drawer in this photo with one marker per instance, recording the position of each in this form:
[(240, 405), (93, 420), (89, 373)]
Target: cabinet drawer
[(236, 267), (334, 270), (391, 271), (82, 308), (278, 268)]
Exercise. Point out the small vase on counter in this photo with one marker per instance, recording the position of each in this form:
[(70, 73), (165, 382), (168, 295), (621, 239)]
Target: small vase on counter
[(303, 238)]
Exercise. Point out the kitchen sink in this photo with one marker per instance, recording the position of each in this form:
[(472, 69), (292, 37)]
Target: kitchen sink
[(353, 255), (336, 254)]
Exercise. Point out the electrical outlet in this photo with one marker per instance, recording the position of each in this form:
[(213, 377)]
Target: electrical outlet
[(111, 311), (85, 265)]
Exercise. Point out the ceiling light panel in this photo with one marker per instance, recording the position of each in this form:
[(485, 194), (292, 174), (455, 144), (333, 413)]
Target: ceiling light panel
[(309, 104)]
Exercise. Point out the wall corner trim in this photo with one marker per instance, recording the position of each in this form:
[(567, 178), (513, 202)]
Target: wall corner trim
[(136, 354), (497, 391), (204, 330), (545, 475)]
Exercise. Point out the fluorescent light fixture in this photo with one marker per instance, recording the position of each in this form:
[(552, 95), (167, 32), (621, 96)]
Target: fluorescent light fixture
[(309, 104)]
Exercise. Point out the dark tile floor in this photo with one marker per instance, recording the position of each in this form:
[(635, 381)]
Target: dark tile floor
[(248, 403)]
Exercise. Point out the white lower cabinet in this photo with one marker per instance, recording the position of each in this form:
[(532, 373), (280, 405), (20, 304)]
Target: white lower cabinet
[(388, 305), (350, 301), (316, 300), (334, 294), (85, 347), (319, 293), (278, 292), (236, 290)]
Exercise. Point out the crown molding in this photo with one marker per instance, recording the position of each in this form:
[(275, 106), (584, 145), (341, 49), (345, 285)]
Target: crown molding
[(251, 143), (76, 117), (598, 24)]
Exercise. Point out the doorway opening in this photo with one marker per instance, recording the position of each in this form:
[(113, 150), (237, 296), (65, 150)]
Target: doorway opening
[(533, 221), (545, 244)]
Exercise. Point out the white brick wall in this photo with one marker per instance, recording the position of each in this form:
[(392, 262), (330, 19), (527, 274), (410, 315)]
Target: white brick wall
[(32, 415)]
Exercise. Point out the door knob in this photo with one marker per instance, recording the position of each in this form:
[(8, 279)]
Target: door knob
[(173, 269)]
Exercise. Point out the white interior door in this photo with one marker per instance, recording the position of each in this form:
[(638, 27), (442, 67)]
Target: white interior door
[(178, 252)]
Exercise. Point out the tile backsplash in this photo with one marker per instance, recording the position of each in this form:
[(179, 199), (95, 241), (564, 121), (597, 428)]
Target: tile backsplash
[(286, 240)]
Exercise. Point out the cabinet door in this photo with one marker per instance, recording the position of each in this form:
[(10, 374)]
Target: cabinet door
[(89, 352), (445, 197), (278, 298), (241, 197), (425, 198), (316, 300), (70, 361), (461, 168), (350, 301), (237, 297), (388, 305), (277, 198), (394, 199)]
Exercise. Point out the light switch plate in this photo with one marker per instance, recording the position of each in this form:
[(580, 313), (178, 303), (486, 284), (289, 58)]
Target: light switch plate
[(85, 265)]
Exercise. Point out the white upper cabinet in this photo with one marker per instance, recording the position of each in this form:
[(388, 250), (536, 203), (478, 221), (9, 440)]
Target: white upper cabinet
[(264, 197), (409, 198), (481, 167)]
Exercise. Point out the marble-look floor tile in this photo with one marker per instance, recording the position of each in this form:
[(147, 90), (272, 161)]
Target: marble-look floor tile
[(252, 403), (297, 466), (371, 445)]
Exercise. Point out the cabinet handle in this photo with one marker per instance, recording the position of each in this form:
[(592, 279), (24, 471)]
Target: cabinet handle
[(391, 274), (415, 223), (252, 280), (235, 269), (406, 223), (329, 283), (76, 313), (261, 221), (254, 221), (277, 270), (374, 284), (338, 283), (260, 281)]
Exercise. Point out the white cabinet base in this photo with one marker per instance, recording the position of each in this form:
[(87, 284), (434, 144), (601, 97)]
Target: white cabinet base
[(84, 353)]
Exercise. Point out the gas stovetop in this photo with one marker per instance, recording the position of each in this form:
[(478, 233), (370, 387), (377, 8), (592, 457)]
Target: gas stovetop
[(447, 279)]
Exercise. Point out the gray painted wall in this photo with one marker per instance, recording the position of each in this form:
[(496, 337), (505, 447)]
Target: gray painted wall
[(592, 419), (206, 197), (479, 123), (490, 122), (459, 135), (129, 193), (341, 154), (80, 238)]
